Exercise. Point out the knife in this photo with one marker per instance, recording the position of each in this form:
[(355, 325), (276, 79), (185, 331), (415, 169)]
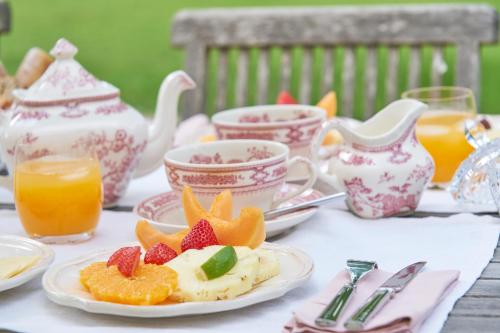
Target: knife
[(382, 295)]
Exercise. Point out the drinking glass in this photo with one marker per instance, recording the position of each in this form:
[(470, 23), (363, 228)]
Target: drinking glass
[(58, 192), (441, 128)]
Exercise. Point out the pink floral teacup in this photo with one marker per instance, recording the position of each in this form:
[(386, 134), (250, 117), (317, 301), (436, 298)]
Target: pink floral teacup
[(254, 171), (293, 125)]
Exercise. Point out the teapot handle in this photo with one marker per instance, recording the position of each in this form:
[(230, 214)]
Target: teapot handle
[(323, 175)]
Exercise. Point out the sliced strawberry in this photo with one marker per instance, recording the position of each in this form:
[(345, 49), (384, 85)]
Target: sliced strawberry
[(200, 236), (159, 254), (285, 98), (130, 261), (121, 253)]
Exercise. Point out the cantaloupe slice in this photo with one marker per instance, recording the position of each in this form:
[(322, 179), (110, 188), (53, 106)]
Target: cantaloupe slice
[(222, 205), (149, 236), (329, 104), (247, 229), (333, 137)]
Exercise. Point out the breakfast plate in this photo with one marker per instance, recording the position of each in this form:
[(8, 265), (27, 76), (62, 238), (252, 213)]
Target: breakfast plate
[(11, 246), (164, 211), (62, 286)]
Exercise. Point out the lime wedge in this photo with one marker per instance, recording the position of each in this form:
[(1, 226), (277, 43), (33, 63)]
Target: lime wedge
[(220, 263)]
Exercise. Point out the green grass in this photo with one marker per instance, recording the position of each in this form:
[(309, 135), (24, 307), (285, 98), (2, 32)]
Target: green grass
[(127, 42)]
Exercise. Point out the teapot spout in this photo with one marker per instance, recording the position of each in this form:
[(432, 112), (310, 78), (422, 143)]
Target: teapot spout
[(162, 129)]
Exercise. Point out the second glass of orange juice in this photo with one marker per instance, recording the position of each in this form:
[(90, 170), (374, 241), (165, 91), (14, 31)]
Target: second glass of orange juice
[(441, 128), (58, 194)]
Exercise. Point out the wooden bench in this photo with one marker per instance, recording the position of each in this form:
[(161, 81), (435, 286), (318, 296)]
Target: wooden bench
[(466, 27)]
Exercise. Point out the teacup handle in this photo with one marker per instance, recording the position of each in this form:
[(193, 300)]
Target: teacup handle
[(331, 180), (311, 170)]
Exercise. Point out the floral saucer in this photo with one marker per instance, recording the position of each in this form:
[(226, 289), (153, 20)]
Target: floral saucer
[(164, 211)]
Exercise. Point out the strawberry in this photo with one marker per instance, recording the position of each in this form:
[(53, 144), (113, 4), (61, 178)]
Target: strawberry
[(285, 98), (119, 254), (200, 236), (129, 262), (159, 254)]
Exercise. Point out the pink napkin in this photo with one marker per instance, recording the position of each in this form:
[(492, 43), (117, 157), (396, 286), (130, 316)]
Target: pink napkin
[(404, 313)]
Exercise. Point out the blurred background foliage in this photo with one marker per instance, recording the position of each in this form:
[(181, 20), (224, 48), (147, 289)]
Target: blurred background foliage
[(127, 42)]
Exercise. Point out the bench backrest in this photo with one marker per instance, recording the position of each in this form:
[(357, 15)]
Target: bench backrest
[(466, 27)]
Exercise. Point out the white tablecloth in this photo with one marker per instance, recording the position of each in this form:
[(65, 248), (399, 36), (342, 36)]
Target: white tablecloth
[(462, 242)]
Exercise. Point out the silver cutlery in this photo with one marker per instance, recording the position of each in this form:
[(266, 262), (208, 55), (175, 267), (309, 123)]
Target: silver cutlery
[(383, 295), (357, 269), (273, 213)]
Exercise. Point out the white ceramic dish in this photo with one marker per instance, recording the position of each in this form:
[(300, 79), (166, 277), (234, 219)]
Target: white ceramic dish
[(62, 286), (22, 246), (164, 211)]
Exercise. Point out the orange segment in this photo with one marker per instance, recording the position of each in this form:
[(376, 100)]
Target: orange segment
[(151, 284), (149, 236), (222, 205)]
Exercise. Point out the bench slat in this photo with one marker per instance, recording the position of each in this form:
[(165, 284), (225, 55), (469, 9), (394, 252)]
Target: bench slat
[(328, 69), (391, 82), (305, 87), (388, 25), (222, 80), (370, 82), (286, 68), (242, 78), (263, 76), (348, 76), (437, 61), (414, 67)]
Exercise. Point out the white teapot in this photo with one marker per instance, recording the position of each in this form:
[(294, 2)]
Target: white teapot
[(67, 104)]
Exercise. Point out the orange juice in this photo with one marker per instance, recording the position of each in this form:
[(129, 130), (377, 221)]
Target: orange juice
[(58, 196), (442, 134)]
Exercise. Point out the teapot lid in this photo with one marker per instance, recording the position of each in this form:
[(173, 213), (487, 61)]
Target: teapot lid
[(65, 81)]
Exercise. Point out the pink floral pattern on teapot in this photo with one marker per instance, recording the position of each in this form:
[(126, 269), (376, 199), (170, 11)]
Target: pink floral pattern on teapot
[(381, 165), (69, 105)]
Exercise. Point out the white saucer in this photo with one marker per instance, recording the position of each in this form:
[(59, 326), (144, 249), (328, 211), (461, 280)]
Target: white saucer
[(164, 211), (22, 246), (62, 286)]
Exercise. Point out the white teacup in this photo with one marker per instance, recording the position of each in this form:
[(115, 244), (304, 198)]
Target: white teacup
[(254, 170), (293, 125)]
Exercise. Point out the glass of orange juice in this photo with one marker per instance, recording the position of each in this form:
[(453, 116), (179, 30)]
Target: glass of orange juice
[(441, 128), (58, 193)]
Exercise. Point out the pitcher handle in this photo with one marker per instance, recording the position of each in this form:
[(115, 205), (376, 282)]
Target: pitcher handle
[(331, 180), (7, 182), (311, 170)]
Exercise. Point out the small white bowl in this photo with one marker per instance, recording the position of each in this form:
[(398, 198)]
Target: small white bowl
[(23, 246)]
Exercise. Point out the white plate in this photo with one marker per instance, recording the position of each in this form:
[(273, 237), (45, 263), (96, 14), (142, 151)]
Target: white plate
[(22, 246), (62, 286), (164, 211)]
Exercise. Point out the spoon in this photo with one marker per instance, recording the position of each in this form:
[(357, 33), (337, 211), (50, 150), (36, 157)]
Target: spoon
[(357, 269), (273, 213)]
